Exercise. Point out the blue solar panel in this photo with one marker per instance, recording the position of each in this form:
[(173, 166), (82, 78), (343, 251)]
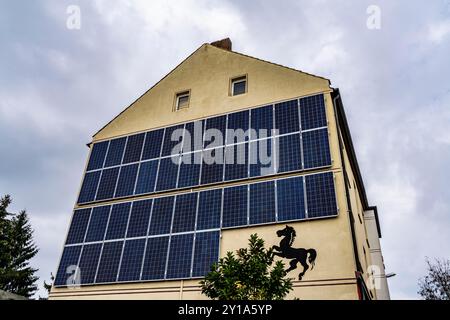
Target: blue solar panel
[(215, 126), (153, 143), (78, 226), (161, 216), (69, 258), (107, 183), (133, 253), (236, 162), (167, 173), (316, 149), (290, 199), (127, 180), (155, 258), (139, 218), (147, 177), (173, 140), (118, 221), (262, 202), (238, 125), (193, 136), (98, 155), (115, 152), (320, 195), (184, 216), (289, 153), (212, 166), (312, 112), (261, 122), (286, 117), (261, 158), (98, 223), (133, 149), (180, 256), (88, 262), (206, 252), (235, 207), (89, 187), (109, 262), (189, 175), (209, 209)]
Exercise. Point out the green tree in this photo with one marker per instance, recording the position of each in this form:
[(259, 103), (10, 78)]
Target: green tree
[(250, 275), (16, 250), (436, 284)]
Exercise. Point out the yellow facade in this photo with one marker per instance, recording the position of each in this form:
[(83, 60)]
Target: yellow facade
[(207, 73)]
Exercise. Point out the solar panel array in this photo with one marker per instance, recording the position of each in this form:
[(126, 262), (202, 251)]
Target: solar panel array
[(151, 162), (177, 236)]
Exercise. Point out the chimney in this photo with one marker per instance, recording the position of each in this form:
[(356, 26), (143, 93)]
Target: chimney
[(223, 44)]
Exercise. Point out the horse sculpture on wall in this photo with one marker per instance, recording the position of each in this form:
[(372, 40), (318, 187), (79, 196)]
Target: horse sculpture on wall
[(297, 255)]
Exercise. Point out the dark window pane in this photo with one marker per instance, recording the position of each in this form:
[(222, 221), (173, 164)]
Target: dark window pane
[(173, 140), (180, 256), (206, 252), (115, 152), (167, 173), (313, 112), (236, 162), (185, 209), (320, 195), (133, 254), (98, 155), (193, 136), (261, 122), (97, 224), (215, 131), (88, 262), (89, 187), (190, 169), (209, 208), (262, 202), (134, 148), (139, 219), (69, 258), (153, 143), (107, 183), (238, 124), (316, 150), (127, 180), (78, 226), (118, 221), (212, 166), (147, 177), (289, 153), (109, 262), (262, 159), (161, 216), (239, 87), (290, 199), (235, 207), (286, 117), (155, 258)]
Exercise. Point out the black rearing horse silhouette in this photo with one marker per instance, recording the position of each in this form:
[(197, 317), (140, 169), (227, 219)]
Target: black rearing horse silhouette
[(298, 255)]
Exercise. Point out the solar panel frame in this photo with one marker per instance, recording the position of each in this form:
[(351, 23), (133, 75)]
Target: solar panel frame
[(207, 217), (108, 182), (115, 152), (168, 173), (89, 187), (98, 223), (236, 162), (205, 253), (168, 148), (153, 144), (154, 264), (69, 257), (286, 117), (262, 203), (185, 213), (147, 177), (109, 262), (118, 221), (133, 149), (231, 210), (88, 262), (266, 113), (316, 149), (321, 195), (98, 155), (180, 256), (78, 226), (139, 218), (313, 112), (161, 218), (288, 155), (131, 261), (127, 180), (290, 197)]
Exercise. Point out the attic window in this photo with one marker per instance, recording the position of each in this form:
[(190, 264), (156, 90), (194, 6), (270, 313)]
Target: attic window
[(182, 100), (238, 85)]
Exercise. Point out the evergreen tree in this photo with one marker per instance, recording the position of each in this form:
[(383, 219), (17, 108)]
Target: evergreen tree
[(17, 249), (247, 276)]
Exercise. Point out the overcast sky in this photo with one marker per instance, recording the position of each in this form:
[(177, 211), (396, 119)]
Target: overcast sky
[(58, 86)]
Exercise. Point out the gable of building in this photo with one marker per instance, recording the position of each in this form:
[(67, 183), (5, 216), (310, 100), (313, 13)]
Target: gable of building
[(206, 74)]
